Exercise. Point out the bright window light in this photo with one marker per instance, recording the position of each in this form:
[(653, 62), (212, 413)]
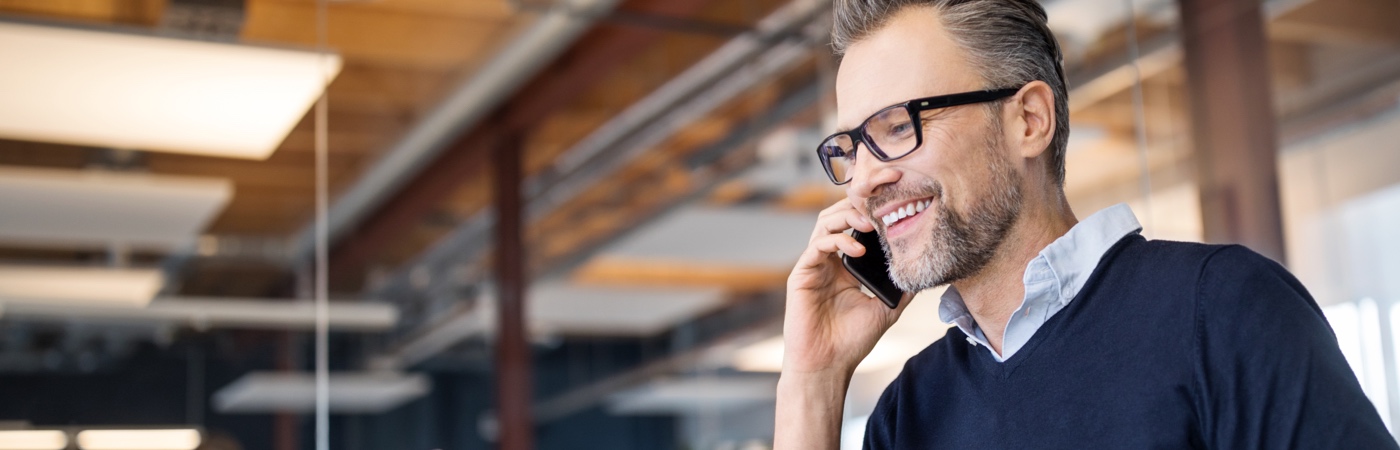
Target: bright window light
[(1357, 327), (180, 439), (33, 440), (1374, 358), (82, 285), (853, 432), (151, 93), (761, 356)]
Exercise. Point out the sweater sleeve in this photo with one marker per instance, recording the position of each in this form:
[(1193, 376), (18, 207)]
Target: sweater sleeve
[(1269, 373)]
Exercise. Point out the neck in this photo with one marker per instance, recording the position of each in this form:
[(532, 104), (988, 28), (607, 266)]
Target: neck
[(993, 293)]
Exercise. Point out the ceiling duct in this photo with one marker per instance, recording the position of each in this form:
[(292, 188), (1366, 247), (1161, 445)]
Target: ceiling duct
[(554, 30), (214, 20), (779, 42)]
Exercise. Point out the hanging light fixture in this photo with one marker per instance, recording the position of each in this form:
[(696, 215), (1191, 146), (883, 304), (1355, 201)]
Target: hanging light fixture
[(139, 92)]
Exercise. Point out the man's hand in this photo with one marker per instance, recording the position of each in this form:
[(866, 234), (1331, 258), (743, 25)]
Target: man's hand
[(828, 328), (830, 325)]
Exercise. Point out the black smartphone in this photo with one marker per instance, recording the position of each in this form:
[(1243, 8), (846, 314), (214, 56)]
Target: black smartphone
[(872, 269)]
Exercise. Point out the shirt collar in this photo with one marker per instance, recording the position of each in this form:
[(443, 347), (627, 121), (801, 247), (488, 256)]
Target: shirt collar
[(1068, 262)]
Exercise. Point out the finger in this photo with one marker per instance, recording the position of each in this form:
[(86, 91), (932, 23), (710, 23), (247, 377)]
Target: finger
[(840, 221), (823, 247)]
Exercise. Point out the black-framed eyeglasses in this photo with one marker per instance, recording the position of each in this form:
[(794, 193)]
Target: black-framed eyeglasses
[(893, 132)]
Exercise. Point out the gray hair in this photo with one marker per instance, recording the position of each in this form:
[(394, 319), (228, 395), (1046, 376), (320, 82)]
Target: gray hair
[(1007, 42)]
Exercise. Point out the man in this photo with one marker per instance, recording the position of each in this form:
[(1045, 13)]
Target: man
[(1068, 334)]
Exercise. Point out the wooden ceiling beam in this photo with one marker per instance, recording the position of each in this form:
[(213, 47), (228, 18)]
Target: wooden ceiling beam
[(124, 12), (373, 35), (1347, 22), (590, 60)]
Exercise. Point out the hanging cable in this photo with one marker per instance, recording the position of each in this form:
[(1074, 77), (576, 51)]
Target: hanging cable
[(1140, 119), (322, 238)]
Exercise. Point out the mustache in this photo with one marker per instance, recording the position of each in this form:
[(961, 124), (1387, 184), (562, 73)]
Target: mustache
[(931, 189)]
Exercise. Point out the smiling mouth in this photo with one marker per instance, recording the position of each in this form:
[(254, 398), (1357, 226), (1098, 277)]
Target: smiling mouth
[(910, 209)]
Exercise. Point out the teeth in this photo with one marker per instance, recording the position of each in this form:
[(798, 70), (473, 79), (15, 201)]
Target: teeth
[(906, 211)]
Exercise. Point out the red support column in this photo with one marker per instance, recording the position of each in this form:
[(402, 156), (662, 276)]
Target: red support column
[(1233, 124), (513, 372)]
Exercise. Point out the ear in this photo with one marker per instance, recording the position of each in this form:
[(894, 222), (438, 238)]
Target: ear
[(1031, 121)]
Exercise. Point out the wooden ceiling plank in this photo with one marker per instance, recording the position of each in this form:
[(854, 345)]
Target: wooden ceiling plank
[(359, 34), (123, 12), (1366, 22), (592, 59), (492, 10)]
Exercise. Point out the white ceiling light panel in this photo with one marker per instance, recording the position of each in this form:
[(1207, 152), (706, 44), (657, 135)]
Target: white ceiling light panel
[(358, 392), (615, 311), (79, 285), (33, 440), (688, 395), (151, 93), (173, 439), (743, 236), (90, 208)]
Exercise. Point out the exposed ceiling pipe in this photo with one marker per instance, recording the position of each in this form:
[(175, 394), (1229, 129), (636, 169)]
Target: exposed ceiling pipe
[(463, 322), (205, 313), (557, 28), (777, 43)]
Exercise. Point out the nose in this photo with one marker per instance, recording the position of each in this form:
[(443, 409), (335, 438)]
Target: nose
[(869, 176)]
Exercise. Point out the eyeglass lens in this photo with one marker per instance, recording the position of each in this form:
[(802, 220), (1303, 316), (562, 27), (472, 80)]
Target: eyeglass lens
[(892, 131)]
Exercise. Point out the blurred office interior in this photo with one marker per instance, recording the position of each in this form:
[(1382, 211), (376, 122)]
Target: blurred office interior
[(565, 224)]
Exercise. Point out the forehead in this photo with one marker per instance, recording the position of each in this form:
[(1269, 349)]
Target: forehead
[(911, 56)]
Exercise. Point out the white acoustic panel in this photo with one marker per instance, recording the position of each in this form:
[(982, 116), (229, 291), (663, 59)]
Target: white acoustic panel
[(350, 392), (33, 440), (153, 93), (697, 394), (63, 287), (616, 311), (152, 439), (96, 208), (757, 237)]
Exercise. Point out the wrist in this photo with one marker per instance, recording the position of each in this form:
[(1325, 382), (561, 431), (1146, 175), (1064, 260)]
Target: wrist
[(809, 410), (814, 387)]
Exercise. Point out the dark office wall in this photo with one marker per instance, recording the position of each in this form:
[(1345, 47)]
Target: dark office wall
[(148, 388), (151, 386)]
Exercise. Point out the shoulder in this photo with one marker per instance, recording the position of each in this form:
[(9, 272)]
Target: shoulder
[(1151, 268), (1237, 276), (1239, 289), (1163, 253)]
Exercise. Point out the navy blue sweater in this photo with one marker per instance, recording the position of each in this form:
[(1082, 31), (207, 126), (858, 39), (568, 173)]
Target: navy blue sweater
[(1168, 346)]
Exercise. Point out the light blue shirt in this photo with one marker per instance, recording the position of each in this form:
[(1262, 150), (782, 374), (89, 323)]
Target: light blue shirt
[(1052, 279)]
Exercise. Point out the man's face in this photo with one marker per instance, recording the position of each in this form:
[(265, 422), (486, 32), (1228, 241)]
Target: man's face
[(962, 174)]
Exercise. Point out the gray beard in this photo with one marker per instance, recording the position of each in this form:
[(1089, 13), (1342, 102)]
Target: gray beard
[(960, 244)]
